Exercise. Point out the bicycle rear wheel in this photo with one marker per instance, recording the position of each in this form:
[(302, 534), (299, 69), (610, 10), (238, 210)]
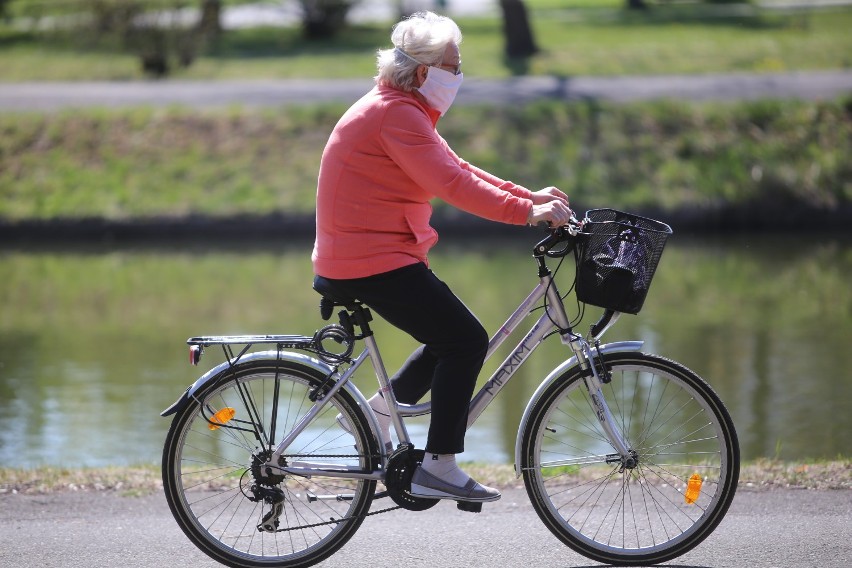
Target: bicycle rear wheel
[(686, 471), (243, 514)]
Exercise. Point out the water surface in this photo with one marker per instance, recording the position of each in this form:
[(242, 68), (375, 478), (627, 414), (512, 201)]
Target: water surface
[(92, 339)]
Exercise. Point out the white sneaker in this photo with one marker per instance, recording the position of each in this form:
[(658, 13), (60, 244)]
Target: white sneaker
[(380, 409)]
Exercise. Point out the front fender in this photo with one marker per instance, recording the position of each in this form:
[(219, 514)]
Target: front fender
[(290, 356), (615, 347)]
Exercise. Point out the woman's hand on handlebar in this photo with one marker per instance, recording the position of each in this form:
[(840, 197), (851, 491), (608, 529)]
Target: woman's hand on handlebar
[(555, 213), (551, 206), (548, 194)]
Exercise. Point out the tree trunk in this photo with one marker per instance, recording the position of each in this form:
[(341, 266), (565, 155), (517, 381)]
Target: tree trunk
[(516, 28), (322, 19), (211, 17)]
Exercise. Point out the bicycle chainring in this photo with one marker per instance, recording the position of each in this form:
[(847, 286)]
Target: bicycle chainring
[(400, 470)]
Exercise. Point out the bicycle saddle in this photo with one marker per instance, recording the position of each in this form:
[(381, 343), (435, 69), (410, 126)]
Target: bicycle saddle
[(332, 297)]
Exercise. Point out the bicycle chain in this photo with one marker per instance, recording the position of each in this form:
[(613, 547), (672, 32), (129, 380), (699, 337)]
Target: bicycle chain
[(334, 521), (410, 458)]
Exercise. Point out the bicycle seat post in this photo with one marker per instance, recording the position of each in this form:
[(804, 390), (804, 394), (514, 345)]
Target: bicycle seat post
[(357, 315), (386, 389)]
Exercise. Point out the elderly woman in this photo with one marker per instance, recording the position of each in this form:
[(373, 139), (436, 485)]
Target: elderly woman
[(382, 165)]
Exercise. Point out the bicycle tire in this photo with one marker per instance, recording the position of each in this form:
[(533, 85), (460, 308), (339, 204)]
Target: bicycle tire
[(677, 426), (209, 472)]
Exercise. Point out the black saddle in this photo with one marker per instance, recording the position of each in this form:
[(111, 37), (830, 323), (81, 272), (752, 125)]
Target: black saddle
[(331, 297)]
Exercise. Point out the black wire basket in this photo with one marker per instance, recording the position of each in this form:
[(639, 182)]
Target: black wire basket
[(617, 258)]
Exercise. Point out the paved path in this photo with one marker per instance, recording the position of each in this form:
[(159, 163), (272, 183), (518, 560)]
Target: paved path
[(763, 529), (518, 90)]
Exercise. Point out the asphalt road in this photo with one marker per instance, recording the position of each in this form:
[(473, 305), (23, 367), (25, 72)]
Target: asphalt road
[(764, 529), (517, 90)]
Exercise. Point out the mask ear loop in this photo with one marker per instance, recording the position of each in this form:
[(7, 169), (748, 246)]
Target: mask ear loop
[(404, 54), (400, 50)]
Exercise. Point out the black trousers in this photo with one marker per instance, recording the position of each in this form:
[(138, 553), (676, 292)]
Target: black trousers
[(454, 342)]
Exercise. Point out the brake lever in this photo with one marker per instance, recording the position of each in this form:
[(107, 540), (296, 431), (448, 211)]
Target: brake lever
[(574, 225), (556, 234)]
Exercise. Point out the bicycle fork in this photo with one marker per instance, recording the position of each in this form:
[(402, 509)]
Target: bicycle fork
[(594, 384), (583, 352)]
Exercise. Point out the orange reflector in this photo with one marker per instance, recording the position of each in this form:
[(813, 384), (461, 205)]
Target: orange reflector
[(221, 417), (693, 489)]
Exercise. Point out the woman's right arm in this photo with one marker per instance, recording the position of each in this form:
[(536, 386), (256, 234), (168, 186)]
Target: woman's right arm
[(412, 143)]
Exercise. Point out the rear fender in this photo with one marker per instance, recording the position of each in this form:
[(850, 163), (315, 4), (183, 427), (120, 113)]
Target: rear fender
[(272, 357)]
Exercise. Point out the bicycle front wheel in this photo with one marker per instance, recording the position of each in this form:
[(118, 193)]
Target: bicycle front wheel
[(244, 514), (663, 502)]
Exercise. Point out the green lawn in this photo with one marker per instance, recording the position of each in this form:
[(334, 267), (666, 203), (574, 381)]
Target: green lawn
[(574, 39), (174, 162)]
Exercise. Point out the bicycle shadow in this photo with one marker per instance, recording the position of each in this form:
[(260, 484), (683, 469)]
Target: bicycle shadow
[(649, 566)]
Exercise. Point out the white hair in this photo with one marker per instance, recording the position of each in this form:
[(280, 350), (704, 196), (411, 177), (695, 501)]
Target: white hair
[(418, 40)]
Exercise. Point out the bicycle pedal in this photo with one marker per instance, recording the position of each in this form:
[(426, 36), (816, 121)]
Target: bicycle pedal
[(469, 507)]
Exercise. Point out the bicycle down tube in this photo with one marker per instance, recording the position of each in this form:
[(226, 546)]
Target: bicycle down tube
[(542, 327)]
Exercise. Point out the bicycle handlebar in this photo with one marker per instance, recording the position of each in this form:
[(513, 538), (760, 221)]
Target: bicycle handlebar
[(567, 233)]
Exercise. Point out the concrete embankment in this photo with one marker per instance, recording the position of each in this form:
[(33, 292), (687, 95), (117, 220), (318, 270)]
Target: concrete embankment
[(778, 218)]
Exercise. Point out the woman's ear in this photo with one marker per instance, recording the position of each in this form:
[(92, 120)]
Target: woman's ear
[(422, 71)]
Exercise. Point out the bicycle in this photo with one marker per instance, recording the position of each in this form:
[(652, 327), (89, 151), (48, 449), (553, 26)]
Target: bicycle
[(273, 456)]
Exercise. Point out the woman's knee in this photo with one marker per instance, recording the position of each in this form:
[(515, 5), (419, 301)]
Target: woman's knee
[(472, 339), (479, 340), (461, 343)]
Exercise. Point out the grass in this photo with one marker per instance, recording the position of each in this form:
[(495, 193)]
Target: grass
[(173, 163), (177, 162), (145, 479), (574, 39)]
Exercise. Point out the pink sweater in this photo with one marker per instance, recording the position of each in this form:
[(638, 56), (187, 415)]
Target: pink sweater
[(383, 162)]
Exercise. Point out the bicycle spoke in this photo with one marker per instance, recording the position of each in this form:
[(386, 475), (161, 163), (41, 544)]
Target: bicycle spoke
[(223, 489), (630, 511)]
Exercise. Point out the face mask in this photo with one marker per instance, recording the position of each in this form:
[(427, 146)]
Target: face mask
[(440, 88)]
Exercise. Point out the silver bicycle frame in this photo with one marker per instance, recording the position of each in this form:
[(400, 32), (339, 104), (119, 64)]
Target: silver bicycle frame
[(553, 318)]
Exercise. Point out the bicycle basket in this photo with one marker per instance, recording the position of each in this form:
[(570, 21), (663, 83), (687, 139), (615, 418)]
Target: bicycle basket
[(617, 258)]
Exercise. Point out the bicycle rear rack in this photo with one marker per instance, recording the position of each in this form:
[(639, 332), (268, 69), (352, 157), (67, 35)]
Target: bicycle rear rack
[(313, 344)]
